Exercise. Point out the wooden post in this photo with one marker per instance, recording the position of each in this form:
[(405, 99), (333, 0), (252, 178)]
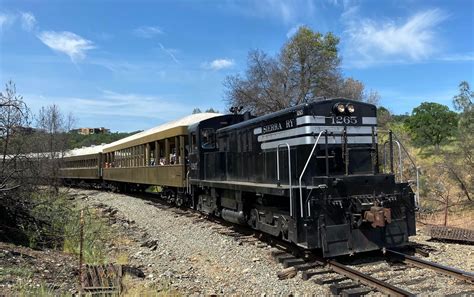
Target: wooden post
[(146, 158), (81, 240), (134, 156), (176, 149), (182, 154), (147, 154), (157, 153), (167, 150)]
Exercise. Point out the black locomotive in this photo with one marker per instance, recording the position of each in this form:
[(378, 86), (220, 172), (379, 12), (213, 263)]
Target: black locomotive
[(309, 174)]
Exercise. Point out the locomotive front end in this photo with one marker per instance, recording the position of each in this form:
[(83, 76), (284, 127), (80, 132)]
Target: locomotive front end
[(350, 204)]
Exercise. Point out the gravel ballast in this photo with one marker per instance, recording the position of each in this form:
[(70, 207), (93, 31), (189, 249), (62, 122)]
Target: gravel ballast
[(188, 255)]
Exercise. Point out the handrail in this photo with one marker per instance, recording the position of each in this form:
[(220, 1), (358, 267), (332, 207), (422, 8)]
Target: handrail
[(304, 170), (400, 163), (188, 190), (289, 173), (417, 169), (417, 194)]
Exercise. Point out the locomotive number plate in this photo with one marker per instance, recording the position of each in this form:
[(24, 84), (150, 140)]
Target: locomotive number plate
[(344, 120)]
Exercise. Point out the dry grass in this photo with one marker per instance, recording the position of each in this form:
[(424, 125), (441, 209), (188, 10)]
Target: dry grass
[(134, 288), (459, 218)]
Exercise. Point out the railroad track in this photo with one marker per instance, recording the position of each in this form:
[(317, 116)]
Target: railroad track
[(446, 270), (346, 282), (342, 279)]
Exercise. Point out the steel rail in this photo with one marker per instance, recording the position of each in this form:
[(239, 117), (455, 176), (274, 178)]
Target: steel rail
[(457, 273), (367, 280)]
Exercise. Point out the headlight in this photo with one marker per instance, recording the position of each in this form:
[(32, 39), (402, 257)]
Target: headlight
[(340, 108), (350, 108)]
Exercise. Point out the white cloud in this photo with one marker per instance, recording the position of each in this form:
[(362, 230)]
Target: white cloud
[(68, 43), (370, 42), (169, 52), (293, 30), (458, 57), (106, 106), (6, 20), (283, 9), (148, 31), (219, 64), (28, 21), (287, 11)]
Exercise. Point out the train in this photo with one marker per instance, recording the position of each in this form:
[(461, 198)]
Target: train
[(313, 175)]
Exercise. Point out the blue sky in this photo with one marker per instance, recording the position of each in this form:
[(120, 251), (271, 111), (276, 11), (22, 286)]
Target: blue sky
[(130, 65)]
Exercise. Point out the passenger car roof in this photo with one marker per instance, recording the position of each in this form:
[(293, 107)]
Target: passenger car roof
[(177, 127)]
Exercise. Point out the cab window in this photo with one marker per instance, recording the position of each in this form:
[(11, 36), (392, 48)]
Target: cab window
[(208, 138)]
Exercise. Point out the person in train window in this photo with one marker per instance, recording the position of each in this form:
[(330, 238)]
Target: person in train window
[(173, 158)]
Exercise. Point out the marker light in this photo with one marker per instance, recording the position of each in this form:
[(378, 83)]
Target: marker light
[(340, 107), (350, 108)]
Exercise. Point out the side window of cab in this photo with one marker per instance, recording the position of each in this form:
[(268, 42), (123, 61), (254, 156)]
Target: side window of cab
[(208, 138)]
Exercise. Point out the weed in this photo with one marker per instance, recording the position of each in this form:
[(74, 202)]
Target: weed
[(96, 234), (41, 290), (18, 272)]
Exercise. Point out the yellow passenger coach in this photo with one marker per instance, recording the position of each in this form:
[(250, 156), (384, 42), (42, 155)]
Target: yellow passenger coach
[(153, 157)]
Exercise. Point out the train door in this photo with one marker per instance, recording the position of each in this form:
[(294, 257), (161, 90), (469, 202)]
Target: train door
[(193, 155)]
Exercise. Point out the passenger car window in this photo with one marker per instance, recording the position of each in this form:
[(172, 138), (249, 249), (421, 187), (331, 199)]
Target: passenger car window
[(208, 138)]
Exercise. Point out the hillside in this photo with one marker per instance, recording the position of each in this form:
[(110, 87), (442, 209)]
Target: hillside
[(79, 140)]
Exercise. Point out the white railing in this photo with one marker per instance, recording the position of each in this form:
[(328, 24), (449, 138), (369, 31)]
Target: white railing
[(304, 170), (400, 164)]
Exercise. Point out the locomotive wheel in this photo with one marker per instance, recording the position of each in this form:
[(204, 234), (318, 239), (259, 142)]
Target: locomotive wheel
[(199, 204), (253, 219), (180, 200), (168, 195)]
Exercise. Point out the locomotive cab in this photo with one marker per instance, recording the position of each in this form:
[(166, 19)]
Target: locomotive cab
[(203, 143)]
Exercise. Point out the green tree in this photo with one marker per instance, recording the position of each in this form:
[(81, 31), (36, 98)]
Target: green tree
[(462, 171), (383, 117), (77, 140), (432, 124), (311, 62), (196, 110), (212, 110), (305, 70), (463, 101)]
